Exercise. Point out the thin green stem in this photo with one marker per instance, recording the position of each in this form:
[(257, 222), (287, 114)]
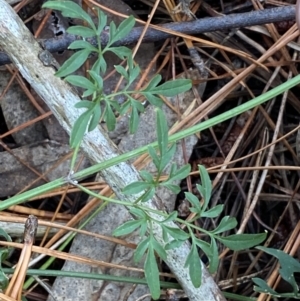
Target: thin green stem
[(173, 138)]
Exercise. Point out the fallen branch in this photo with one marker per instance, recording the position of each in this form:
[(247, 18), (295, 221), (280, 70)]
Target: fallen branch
[(259, 17)]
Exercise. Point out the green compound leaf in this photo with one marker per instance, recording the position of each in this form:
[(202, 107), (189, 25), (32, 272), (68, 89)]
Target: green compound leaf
[(79, 128), (239, 242), (82, 31), (122, 31), (71, 10), (227, 223), (127, 227), (194, 264), (133, 74), (172, 88), (81, 44), (80, 81), (73, 63), (152, 273)]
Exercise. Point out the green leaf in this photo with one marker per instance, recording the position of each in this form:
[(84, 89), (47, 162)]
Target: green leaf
[(148, 194), (87, 93), (176, 233), (136, 104), (174, 188), (134, 120), (3, 278), (84, 104), (239, 242), (110, 117), (154, 100), (227, 223), (288, 265), (147, 176), (82, 31), (167, 157), (172, 88), (155, 80), (71, 10), (172, 216), (120, 69), (138, 213), (158, 248), (194, 264), (73, 63), (152, 273), (213, 212), (135, 188), (80, 81), (211, 251), (263, 287), (193, 200), (122, 31), (162, 131), (97, 78), (79, 128), (133, 74), (173, 244), (181, 173), (127, 227), (121, 51), (154, 157), (206, 188), (81, 44), (99, 65), (102, 21), (141, 249), (95, 118)]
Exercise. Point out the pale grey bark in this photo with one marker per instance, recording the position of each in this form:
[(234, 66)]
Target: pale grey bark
[(17, 41)]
